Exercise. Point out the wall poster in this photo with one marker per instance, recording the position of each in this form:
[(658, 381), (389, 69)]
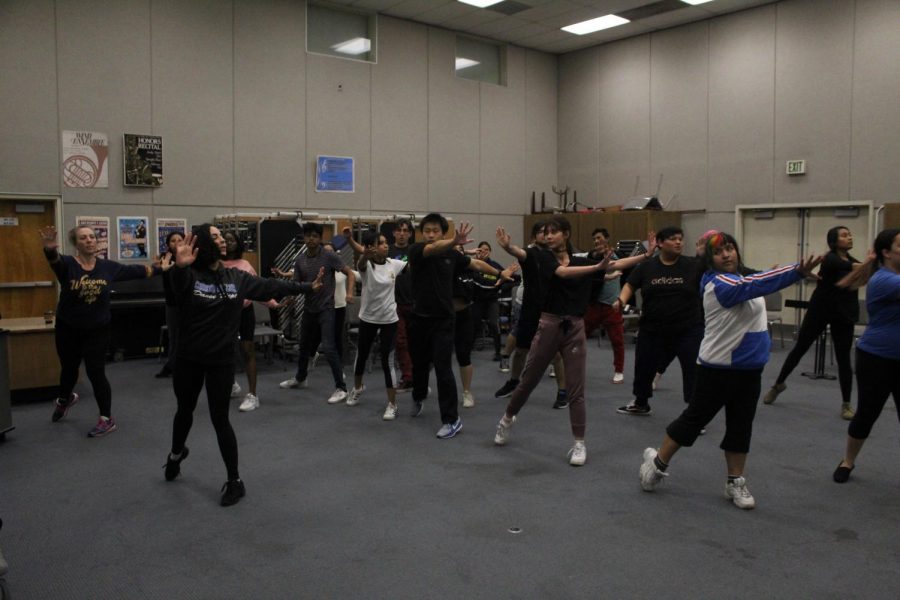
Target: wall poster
[(142, 160), (166, 226), (132, 237), (84, 155), (334, 174), (100, 225)]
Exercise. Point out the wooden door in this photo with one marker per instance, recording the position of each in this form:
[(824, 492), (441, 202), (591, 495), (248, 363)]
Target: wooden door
[(28, 287)]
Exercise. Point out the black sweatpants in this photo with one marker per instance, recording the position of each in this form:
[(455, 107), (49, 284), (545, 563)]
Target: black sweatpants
[(464, 336), (74, 345), (737, 391), (367, 333), (487, 310), (811, 328), (188, 380), (431, 343), (655, 348), (877, 378)]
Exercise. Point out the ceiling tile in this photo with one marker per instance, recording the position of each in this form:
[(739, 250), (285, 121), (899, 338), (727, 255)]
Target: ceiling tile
[(520, 33), (551, 9), (576, 16), (445, 12), (676, 17), (376, 5), (495, 27), (413, 8), (476, 18)]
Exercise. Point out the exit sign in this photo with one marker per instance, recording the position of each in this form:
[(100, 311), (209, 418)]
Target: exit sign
[(796, 167)]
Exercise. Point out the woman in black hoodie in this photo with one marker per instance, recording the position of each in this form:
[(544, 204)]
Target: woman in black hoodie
[(210, 299)]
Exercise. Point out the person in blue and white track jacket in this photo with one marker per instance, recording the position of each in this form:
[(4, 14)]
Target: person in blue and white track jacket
[(734, 350)]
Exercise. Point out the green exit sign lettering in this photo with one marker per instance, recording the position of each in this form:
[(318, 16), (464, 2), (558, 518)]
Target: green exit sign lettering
[(796, 167)]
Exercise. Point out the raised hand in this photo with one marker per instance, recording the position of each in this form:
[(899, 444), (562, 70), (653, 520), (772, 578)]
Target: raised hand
[(166, 263), (186, 253), (651, 242), (503, 238), (49, 237), (318, 281), (805, 267), (462, 234)]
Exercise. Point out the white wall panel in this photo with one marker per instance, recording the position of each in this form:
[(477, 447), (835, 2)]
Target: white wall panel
[(579, 110), (540, 125)]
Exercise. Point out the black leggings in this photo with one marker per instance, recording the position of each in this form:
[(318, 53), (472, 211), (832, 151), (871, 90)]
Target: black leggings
[(488, 310), (877, 378), (74, 345), (367, 333), (188, 380), (813, 325), (464, 337)]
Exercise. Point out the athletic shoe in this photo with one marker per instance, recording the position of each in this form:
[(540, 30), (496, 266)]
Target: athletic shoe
[(103, 427), (552, 372), (315, 360), (736, 490), (165, 372), (562, 400), (507, 389), (353, 396), (504, 364), (337, 396), (577, 454), (502, 435), (618, 378), (60, 408), (650, 475), (842, 473), (235, 390), (847, 412), (656, 379), (416, 409), (390, 413), (448, 430), (173, 465), (232, 492), (292, 383), (250, 402), (634, 409), (403, 387), (468, 399), (773, 392)]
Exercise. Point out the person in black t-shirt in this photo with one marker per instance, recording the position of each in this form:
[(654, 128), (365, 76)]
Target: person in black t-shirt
[(671, 317), (485, 301), (829, 306), (173, 240), (560, 330), (433, 263)]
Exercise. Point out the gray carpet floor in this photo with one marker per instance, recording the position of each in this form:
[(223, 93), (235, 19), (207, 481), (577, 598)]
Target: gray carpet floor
[(343, 505)]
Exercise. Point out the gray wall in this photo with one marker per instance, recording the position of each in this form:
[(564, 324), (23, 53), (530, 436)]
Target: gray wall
[(719, 106), (244, 110)]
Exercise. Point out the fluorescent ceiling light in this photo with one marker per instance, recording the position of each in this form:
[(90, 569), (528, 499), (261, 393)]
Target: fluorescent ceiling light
[(695, 2), (481, 3), (355, 46), (597, 24), (465, 63)]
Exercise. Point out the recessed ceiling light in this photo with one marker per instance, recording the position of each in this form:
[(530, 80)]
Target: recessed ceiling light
[(355, 46), (465, 63), (597, 24), (481, 3), (696, 2)]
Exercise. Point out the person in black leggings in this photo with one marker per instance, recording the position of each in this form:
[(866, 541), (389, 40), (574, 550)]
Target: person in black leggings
[(172, 242), (210, 299), (83, 317), (829, 306)]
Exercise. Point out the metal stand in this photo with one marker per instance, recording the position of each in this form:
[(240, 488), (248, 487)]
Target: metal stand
[(821, 350)]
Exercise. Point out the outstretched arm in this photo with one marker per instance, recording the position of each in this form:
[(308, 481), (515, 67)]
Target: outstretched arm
[(441, 246), (357, 247), (569, 271), (505, 241)]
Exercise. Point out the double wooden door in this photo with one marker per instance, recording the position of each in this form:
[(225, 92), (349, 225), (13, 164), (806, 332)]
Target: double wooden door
[(28, 287)]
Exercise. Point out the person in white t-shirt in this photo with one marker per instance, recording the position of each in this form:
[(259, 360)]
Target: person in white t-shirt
[(377, 315)]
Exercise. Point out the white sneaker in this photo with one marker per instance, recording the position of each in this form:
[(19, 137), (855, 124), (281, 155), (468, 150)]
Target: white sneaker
[(292, 383), (468, 399), (650, 475), (577, 454), (502, 435), (390, 413), (339, 395), (250, 402), (552, 372), (656, 379), (353, 396), (737, 492), (618, 378), (235, 390)]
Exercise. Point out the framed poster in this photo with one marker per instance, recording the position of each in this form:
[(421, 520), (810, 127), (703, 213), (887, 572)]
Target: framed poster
[(100, 225), (142, 160), (84, 155), (166, 226), (334, 174), (132, 238)]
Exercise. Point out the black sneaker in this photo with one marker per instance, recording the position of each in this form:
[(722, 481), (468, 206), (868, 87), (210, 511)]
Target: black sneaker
[(232, 492), (165, 372), (416, 409), (562, 400), (507, 389), (635, 409), (173, 466), (61, 407)]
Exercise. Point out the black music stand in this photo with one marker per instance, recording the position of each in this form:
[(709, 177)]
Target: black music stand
[(821, 346)]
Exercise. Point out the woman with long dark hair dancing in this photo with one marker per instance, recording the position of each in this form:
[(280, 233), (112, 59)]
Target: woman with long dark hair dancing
[(210, 299), (830, 306)]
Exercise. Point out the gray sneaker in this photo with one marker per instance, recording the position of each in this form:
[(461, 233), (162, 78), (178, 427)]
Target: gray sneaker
[(448, 430), (650, 475), (502, 435), (773, 392), (737, 492)]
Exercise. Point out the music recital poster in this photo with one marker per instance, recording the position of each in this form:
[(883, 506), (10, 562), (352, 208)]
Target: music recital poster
[(142, 160), (84, 155), (100, 225), (132, 238), (334, 174)]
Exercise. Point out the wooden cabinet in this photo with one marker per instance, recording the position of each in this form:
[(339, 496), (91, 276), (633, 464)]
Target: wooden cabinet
[(31, 353)]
